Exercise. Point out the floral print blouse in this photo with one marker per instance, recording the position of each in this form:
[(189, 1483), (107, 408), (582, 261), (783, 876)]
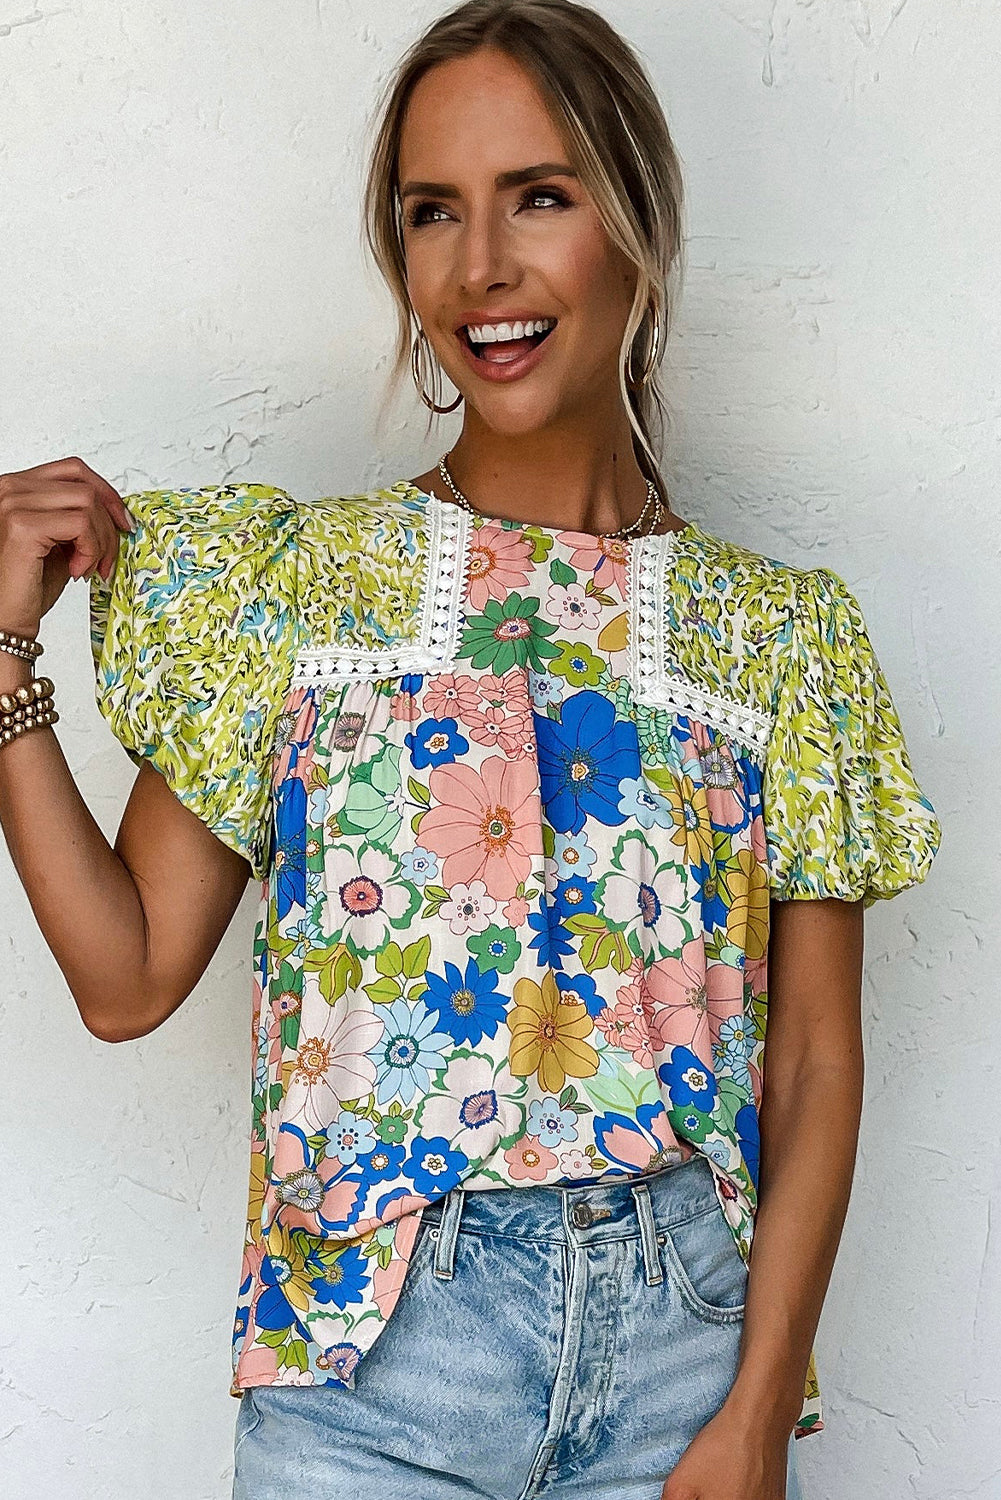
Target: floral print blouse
[(518, 799)]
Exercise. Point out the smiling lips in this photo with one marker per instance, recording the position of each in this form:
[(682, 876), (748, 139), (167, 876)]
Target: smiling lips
[(503, 350)]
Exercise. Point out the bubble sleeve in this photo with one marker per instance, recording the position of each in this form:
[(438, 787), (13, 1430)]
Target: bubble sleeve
[(193, 641), (844, 815)]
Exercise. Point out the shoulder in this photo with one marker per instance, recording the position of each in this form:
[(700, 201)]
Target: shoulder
[(208, 508), (736, 617), (770, 593), (364, 565)]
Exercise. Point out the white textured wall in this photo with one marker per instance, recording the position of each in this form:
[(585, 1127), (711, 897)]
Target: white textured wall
[(184, 301)]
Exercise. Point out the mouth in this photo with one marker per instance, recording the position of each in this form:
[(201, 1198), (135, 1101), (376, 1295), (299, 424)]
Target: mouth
[(497, 356)]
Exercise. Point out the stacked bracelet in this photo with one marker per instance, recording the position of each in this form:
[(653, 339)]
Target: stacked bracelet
[(27, 707), (20, 645)]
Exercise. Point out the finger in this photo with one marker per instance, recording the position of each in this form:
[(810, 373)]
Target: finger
[(74, 470)]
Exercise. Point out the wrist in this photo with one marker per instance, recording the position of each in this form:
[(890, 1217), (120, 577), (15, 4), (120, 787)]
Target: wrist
[(770, 1408), (14, 672)]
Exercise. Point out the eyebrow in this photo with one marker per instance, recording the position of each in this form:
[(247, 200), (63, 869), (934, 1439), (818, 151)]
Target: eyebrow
[(513, 178)]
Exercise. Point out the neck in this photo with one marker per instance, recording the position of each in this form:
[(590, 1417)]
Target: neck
[(574, 481)]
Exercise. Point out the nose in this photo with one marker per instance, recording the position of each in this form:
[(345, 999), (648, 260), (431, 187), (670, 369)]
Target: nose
[(484, 253)]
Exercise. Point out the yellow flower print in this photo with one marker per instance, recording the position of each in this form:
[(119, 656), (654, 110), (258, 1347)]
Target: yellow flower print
[(747, 919), (288, 1264), (693, 828), (547, 1035)]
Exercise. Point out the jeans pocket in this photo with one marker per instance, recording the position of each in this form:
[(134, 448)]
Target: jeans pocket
[(705, 1265)]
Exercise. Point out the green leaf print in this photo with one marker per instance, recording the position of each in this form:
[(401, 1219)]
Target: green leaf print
[(418, 792), (390, 960), (415, 957), (561, 572), (600, 948)]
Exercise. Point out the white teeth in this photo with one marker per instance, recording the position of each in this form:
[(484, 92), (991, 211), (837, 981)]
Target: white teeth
[(500, 333)]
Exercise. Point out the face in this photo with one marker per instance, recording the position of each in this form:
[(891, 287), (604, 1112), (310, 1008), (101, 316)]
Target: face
[(483, 247)]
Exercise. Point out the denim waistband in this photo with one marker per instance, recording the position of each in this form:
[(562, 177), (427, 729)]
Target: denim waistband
[(587, 1213)]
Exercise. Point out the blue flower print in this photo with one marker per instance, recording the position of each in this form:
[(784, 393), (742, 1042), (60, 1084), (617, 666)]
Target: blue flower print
[(582, 987), (383, 1163), (689, 1080), (349, 1137), (573, 855), (434, 1166), (290, 832), (408, 1052), (419, 865), (736, 1043), (713, 907), (319, 805), (583, 760), (544, 688), (468, 1005), (337, 1278), (436, 742), (748, 1136), (552, 942), (550, 1123), (572, 896), (637, 799)]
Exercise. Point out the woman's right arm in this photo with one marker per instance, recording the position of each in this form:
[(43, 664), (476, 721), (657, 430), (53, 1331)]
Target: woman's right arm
[(133, 927)]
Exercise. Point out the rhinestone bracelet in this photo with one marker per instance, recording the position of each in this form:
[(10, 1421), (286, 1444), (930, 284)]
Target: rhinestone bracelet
[(29, 706)]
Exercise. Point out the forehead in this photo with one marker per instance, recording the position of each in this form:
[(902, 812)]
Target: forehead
[(474, 115)]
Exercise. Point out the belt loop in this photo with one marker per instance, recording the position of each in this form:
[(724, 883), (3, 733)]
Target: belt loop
[(448, 1230), (648, 1234)]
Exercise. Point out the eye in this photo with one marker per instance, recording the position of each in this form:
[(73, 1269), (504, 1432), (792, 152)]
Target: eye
[(421, 212), (416, 216), (560, 199)]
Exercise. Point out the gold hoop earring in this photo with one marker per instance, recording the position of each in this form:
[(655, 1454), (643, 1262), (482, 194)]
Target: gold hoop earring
[(419, 344), (652, 357)]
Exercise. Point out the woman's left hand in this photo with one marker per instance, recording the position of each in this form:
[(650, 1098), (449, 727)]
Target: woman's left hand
[(725, 1461)]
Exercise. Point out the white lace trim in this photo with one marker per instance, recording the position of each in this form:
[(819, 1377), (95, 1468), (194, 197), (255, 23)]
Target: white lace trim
[(439, 611), (654, 686)]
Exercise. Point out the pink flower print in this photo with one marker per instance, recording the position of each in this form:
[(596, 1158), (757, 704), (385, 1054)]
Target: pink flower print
[(450, 697), (528, 1160), (468, 909), (571, 608), (294, 737), (510, 732), (332, 1062), (686, 1010), (403, 706), (605, 557), (575, 1163), (499, 560), (516, 911), (640, 1032), (509, 689), (487, 825)]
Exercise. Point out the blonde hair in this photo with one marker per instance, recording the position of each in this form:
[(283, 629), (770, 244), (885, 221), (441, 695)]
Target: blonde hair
[(617, 138)]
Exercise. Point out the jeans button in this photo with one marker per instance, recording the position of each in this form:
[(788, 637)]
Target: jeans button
[(581, 1215)]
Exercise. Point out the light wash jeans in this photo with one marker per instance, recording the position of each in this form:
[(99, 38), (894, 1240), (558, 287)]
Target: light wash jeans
[(548, 1341)]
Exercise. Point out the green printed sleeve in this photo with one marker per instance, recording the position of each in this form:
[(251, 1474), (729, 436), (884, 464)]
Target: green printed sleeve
[(844, 815), (193, 641)]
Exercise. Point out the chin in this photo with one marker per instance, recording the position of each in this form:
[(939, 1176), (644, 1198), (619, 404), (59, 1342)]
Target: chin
[(515, 415)]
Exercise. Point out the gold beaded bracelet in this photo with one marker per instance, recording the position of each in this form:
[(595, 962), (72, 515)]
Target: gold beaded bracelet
[(29, 706), (20, 645)]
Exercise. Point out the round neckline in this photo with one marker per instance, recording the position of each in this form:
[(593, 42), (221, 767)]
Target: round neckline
[(689, 529)]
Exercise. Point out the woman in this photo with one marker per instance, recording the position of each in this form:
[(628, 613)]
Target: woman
[(555, 797)]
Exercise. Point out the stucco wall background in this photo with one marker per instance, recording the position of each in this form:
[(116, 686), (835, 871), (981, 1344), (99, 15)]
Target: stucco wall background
[(185, 301)]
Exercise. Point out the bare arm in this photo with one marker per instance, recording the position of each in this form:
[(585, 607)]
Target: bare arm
[(131, 927), (809, 1118), (809, 1121)]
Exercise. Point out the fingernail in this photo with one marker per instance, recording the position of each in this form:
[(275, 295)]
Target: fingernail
[(133, 523)]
